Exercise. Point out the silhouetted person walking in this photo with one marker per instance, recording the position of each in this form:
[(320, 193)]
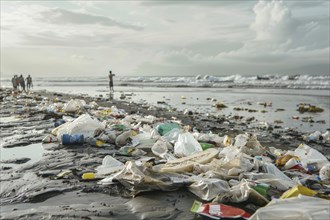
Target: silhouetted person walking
[(22, 82), (28, 82)]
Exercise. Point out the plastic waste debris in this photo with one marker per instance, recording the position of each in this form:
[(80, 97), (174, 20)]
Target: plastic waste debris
[(314, 136), (206, 145), (59, 122), (49, 139), (243, 192), (208, 189), (131, 151), (75, 139), (298, 190), (213, 138), (272, 169), (138, 178), (166, 127), (294, 163), (84, 125), (326, 136), (218, 211), (88, 176), (282, 160), (160, 149), (325, 174), (109, 165), (74, 105), (248, 144), (301, 207), (63, 174), (185, 164), (309, 155), (123, 138), (186, 145)]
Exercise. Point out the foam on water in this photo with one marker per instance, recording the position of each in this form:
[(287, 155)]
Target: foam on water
[(268, 81)]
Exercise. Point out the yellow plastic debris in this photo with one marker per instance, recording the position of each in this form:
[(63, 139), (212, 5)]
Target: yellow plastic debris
[(99, 143), (298, 190), (88, 176)]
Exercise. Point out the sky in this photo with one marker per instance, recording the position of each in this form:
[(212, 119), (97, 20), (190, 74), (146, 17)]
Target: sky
[(160, 38)]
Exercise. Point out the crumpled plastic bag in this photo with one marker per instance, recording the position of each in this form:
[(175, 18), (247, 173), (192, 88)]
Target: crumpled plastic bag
[(160, 149), (240, 193), (325, 174), (137, 178), (74, 105), (84, 124), (248, 144), (301, 207), (109, 165), (208, 189), (186, 145)]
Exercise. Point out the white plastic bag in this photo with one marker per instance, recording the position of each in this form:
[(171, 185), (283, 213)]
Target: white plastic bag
[(74, 105), (84, 124), (301, 207), (186, 145)]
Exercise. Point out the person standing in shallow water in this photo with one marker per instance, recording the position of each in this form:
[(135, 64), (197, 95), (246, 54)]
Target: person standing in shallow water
[(111, 75)]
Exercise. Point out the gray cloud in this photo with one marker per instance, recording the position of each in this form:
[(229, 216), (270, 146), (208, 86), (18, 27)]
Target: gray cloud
[(211, 47), (49, 38), (62, 16), (209, 3)]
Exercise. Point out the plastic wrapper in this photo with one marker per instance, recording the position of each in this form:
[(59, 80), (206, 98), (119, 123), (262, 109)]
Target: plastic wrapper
[(301, 207), (208, 189), (219, 211)]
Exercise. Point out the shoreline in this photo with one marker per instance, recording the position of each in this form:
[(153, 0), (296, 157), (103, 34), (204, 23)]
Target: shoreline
[(35, 186)]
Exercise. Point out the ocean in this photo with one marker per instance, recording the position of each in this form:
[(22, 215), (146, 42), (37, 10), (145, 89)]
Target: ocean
[(201, 93)]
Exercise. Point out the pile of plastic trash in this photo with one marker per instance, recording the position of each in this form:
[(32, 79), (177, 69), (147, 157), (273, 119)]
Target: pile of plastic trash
[(166, 155)]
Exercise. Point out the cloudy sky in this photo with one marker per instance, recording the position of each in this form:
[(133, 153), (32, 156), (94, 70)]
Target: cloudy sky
[(87, 38)]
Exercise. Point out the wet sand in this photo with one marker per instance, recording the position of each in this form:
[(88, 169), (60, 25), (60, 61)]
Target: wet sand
[(32, 190)]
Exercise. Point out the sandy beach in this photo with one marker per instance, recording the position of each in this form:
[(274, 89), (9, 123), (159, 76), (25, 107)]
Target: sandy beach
[(45, 180)]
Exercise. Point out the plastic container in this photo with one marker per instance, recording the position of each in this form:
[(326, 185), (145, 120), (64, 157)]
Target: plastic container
[(75, 139)]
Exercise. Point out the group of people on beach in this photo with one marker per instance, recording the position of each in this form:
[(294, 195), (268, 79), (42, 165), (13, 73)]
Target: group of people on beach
[(19, 81)]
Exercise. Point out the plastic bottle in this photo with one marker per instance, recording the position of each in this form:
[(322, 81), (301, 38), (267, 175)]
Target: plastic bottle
[(75, 139)]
